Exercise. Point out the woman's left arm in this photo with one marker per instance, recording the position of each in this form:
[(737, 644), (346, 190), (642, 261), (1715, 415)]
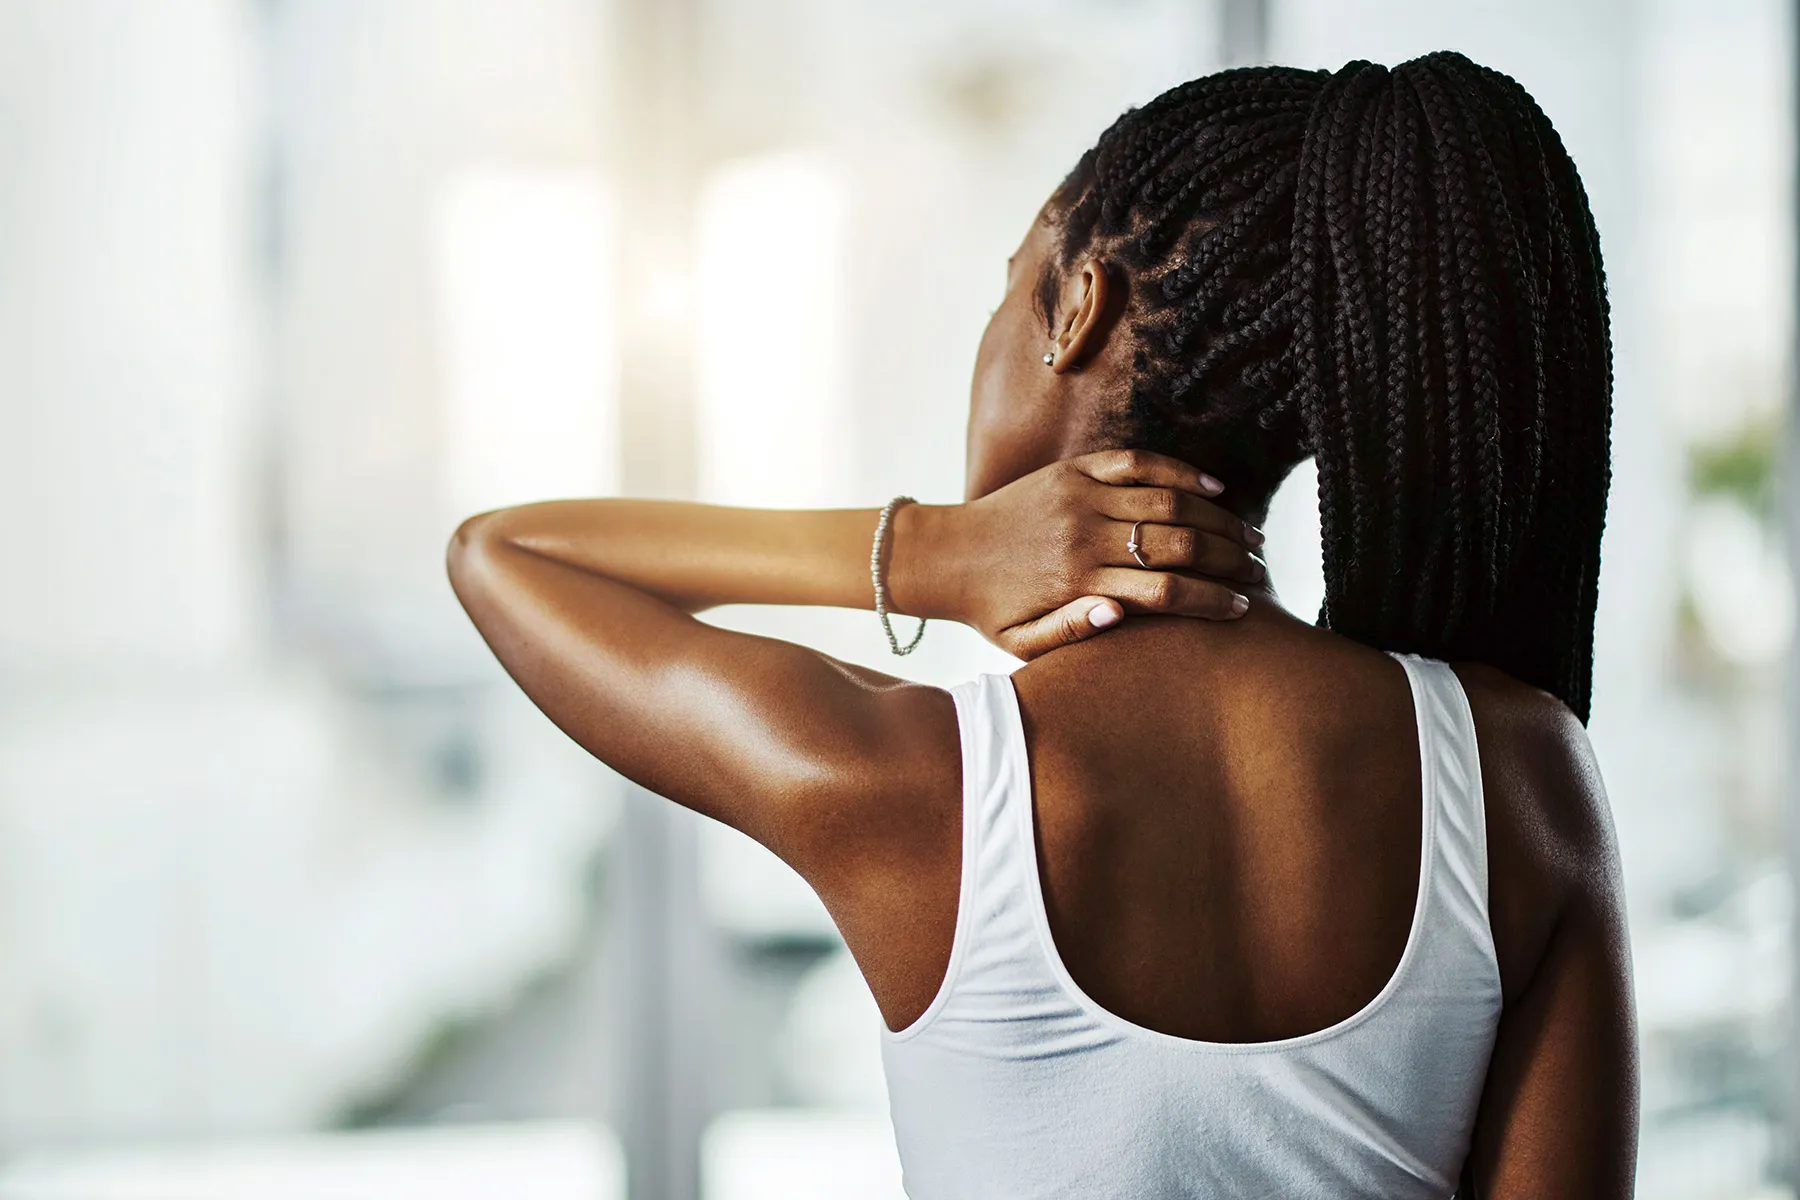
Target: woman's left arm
[(588, 604)]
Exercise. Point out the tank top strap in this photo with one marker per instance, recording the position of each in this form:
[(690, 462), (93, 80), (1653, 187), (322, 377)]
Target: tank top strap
[(995, 771), (995, 955), (1450, 776), (999, 855)]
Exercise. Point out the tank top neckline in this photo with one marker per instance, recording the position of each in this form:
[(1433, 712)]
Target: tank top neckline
[(1018, 753)]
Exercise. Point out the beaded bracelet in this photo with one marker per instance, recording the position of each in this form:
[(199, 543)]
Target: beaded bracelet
[(879, 575)]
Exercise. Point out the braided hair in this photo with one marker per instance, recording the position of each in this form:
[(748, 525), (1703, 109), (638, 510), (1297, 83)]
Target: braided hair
[(1396, 273)]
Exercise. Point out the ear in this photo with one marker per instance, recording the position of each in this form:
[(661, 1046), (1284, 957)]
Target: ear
[(1086, 313)]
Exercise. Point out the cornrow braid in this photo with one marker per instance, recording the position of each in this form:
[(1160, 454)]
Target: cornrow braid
[(1396, 273)]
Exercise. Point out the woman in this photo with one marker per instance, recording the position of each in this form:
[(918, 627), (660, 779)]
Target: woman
[(1195, 908)]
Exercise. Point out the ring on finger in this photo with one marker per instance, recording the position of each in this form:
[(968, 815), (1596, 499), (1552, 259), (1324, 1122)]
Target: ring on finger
[(1134, 547)]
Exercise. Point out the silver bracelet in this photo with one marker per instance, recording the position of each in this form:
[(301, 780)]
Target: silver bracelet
[(879, 575)]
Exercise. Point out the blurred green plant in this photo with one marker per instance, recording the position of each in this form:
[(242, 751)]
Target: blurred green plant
[(1745, 468)]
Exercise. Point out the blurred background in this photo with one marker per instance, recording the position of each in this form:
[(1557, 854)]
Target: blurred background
[(299, 897)]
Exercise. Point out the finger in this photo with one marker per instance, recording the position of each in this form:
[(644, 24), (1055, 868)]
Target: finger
[(1176, 547), (1069, 624), (1164, 592), (1146, 468), (1171, 506)]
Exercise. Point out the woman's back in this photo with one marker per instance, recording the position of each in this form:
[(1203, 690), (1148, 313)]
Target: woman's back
[(1200, 944), (1232, 855)]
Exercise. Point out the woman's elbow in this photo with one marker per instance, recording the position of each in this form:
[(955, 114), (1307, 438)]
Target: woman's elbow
[(471, 548)]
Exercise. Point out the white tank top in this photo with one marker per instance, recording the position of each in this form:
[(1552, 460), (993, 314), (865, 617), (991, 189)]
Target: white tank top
[(1014, 1085)]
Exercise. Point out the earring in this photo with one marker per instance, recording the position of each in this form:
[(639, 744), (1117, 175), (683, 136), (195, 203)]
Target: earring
[(1049, 360)]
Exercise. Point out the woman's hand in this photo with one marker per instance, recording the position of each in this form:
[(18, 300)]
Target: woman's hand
[(1044, 561)]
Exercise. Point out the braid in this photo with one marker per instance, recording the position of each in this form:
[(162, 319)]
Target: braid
[(1394, 272)]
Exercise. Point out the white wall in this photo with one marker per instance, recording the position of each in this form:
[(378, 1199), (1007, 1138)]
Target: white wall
[(126, 508)]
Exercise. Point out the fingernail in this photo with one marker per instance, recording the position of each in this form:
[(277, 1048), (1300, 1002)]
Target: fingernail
[(1102, 615), (1210, 486), (1239, 604), (1262, 568), (1253, 536)]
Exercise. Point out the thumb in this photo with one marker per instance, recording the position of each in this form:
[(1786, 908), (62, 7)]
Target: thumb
[(1073, 622)]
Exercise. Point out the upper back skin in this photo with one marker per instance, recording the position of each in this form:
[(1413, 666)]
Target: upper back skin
[(1228, 824)]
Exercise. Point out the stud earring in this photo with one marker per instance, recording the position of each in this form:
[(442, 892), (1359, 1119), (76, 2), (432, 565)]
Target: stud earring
[(1049, 360)]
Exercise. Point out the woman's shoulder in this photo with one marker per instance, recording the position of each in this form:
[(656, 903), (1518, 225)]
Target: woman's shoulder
[(1535, 754), (1550, 829)]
